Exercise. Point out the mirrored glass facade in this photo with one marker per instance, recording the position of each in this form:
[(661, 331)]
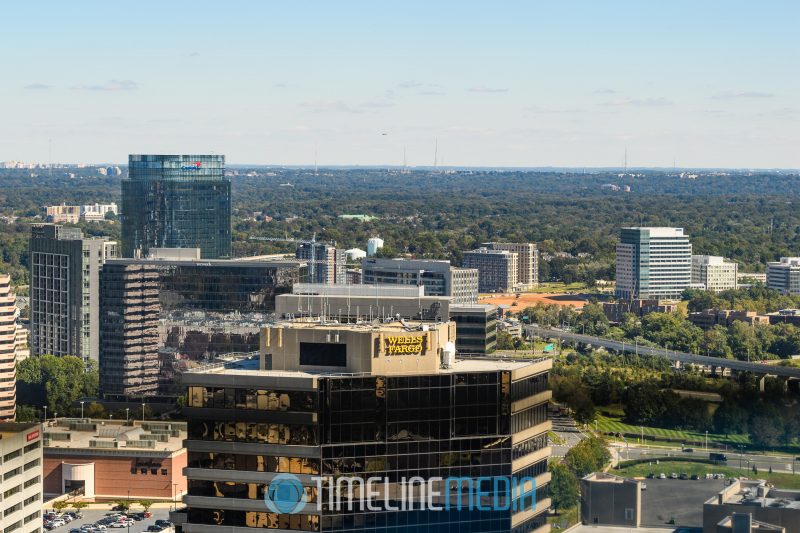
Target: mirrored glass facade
[(176, 201), (442, 425)]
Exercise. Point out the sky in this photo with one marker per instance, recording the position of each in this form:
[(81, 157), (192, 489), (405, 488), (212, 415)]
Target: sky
[(495, 83)]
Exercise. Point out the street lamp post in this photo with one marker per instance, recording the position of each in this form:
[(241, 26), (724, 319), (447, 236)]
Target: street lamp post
[(82, 409), (127, 410), (143, 404), (642, 439), (706, 440), (45, 414)]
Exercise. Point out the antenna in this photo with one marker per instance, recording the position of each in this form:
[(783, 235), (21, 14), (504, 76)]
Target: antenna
[(626, 159)]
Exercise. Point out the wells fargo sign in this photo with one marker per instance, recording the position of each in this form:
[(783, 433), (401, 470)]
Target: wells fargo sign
[(405, 345)]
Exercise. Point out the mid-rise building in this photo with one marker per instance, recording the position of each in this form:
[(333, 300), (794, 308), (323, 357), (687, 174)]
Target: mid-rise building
[(497, 269), (21, 484), (438, 277), (64, 290), (608, 500), (341, 403), (784, 276), (714, 273), (170, 314), (10, 337), (98, 212), (743, 278), (326, 263), (63, 214), (109, 459), (527, 261), (653, 263), (476, 328), (176, 201)]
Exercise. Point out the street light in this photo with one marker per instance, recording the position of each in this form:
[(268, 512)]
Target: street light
[(642, 440), (45, 414), (143, 404), (127, 409), (82, 409), (706, 440), (174, 493)]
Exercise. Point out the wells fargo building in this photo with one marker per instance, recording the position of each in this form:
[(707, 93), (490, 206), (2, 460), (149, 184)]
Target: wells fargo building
[(363, 400)]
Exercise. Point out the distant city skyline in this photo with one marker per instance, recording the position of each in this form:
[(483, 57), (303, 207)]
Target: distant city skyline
[(522, 84)]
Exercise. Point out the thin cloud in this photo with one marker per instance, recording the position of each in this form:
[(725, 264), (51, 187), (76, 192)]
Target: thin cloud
[(111, 85), (193, 54), (640, 102), (605, 91), (377, 105), (485, 89), (329, 106), (38, 87), (729, 95), (431, 93)]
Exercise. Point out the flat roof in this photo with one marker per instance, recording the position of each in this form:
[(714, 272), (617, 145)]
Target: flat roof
[(83, 432), (15, 428), (394, 326), (210, 262)]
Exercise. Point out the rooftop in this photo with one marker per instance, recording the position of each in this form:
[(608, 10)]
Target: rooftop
[(8, 429), (82, 434)]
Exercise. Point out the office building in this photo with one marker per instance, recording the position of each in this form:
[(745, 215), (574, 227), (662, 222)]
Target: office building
[(764, 503), (64, 292), (373, 245), (181, 312), (326, 263), (476, 328), (12, 338), (438, 277), (21, 484), (527, 261), (714, 273), (176, 201), (709, 318), (497, 269), (784, 276), (616, 311), (104, 459), (98, 212), (386, 401), (653, 263), (63, 214), (751, 278)]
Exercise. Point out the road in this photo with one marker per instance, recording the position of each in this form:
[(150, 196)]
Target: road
[(683, 357), (778, 463), (90, 517)]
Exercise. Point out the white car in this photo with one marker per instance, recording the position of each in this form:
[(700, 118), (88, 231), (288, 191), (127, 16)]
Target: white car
[(119, 525), (58, 522)]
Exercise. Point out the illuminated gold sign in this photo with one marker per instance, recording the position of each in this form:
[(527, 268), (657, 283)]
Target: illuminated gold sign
[(405, 345)]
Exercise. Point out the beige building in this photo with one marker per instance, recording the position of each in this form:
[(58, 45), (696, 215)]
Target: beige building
[(610, 500), (714, 273), (63, 214), (13, 342), (21, 484), (497, 269), (765, 504), (527, 261)]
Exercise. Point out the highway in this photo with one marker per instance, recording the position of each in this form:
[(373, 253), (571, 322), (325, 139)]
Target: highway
[(683, 357)]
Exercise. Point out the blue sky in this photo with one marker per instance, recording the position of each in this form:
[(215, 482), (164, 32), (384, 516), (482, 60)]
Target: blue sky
[(529, 83)]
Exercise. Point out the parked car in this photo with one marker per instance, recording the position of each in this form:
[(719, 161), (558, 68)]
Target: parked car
[(688, 450), (75, 530), (662, 475), (154, 529), (119, 525), (58, 522), (673, 475), (684, 476), (695, 477), (164, 523), (644, 486)]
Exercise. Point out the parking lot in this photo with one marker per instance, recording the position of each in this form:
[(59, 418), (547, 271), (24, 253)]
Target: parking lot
[(90, 517), (677, 499)]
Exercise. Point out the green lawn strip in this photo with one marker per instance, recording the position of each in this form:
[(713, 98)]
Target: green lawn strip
[(555, 439), (780, 480), (565, 519)]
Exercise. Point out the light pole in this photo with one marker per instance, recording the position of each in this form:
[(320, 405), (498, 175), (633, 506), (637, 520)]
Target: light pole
[(174, 493), (143, 404), (706, 440), (642, 441), (127, 410), (82, 409), (45, 414)]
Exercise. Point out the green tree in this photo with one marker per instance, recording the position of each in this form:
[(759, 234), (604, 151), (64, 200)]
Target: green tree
[(766, 427), (60, 505), (146, 504), (563, 487), (730, 418), (589, 455), (55, 381)]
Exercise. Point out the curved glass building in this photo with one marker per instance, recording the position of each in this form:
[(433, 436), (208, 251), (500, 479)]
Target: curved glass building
[(176, 201)]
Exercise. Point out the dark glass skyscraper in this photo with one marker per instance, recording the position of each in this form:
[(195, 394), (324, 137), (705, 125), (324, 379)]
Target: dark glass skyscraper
[(176, 201)]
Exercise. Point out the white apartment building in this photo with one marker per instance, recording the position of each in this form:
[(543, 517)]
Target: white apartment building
[(21, 483), (97, 212), (653, 263), (497, 269), (714, 273), (13, 342), (784, 276), (527, 261)]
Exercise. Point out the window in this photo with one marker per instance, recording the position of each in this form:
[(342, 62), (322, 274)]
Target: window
[(34, 446), (31, 482), (323, 354), (628, 513), (11, 473), (31, 464), (13, 455)]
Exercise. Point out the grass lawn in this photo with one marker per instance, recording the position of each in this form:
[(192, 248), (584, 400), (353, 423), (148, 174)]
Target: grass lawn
[(555, 439), (784, 481), (565, 519), (558, 287), (614, 424)]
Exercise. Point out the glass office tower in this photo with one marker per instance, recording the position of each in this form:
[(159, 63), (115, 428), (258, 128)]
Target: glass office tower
[(340, 402), (176, 201)]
